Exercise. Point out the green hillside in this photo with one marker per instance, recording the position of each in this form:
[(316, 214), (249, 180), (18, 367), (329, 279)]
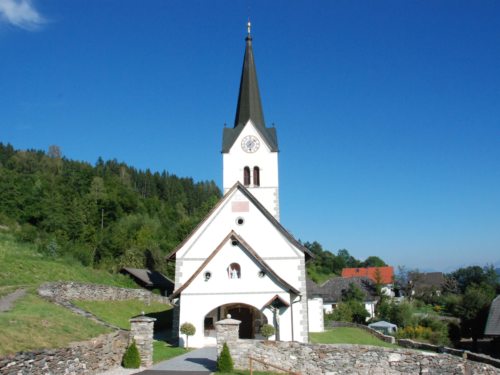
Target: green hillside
[(22, 265), (32, 322), (106, 215)]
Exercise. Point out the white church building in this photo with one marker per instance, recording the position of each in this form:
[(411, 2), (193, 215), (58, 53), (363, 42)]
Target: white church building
[(240, 260)]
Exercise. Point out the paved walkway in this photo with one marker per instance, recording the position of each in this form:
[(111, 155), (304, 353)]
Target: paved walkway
[(197, 362)]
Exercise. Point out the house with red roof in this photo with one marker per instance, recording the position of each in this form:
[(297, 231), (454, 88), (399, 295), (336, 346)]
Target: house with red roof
[(382, 275)]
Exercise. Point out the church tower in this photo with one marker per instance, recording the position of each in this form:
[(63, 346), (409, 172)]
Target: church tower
[(250, 149)]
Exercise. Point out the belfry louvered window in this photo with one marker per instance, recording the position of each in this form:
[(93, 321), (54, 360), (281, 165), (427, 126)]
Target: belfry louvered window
[(246, 176), (256, 176)]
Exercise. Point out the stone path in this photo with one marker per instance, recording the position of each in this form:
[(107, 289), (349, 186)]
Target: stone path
[(197, 362), (7, 301)]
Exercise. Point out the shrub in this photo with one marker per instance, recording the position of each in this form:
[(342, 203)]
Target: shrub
[(188, 329), (131, 358), (359, 313), (342, 313), (267, 331), (225, 362)]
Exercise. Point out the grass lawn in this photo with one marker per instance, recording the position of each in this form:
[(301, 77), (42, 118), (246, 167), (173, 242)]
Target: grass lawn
[(118, 313), (34, 323), (348, 335)]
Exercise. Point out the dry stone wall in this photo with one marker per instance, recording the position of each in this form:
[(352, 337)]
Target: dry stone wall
[(89, 357), (67, 291), (315, 359)]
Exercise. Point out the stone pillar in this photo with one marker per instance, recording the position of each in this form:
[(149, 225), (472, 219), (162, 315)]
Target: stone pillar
[(141, 330), (227, 331)]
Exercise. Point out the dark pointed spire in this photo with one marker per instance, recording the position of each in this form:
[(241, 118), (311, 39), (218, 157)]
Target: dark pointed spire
[(249, 105)]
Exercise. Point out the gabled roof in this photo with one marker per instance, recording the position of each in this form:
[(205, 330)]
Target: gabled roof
[(386, 274), (232, 236), (260, 207), (333, 289), (426, 281), (277, 302), (493, 324), (149, 278), (249, 106)]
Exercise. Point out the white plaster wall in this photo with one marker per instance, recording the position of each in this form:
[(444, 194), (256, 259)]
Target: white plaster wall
[(369, 306), (315, 307), (236, 160), (264, 238)]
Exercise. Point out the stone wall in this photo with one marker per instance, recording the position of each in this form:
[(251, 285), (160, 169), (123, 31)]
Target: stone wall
[(477, 357), (67, 291), (89, 357), (314, 359)]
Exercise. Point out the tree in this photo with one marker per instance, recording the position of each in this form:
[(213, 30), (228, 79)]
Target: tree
[(353, 293), (475, 275), (473, 310), (353, 297), (374, 261), (405, 280), (342, 313), (267, 331), (188, 329)]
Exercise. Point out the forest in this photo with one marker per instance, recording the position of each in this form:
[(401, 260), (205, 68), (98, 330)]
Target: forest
[(106, 215)]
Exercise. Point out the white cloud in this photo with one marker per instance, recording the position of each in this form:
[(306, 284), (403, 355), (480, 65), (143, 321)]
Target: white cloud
[(20, 13)]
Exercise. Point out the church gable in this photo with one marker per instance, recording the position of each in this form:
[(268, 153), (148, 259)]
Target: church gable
[(234, 267), (239, 211)]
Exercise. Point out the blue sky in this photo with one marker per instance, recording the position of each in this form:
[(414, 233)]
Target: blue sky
[(387, 112)]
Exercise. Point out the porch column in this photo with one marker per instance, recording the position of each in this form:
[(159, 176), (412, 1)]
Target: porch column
[(141, 330), (227, 332)]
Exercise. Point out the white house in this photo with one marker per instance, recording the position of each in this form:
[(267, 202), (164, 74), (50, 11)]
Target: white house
[(240, 260), (332, 292)]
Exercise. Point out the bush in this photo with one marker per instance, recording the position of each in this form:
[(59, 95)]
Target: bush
[(342, 313), (359, 313), (225, 362), (267, 331), (188, 329), (131, 358)]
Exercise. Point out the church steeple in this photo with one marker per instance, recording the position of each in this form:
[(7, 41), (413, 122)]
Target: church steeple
[(250, 149), (249, 106)]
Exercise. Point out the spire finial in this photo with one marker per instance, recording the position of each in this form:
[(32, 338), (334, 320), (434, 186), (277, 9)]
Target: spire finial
[(249, 26)]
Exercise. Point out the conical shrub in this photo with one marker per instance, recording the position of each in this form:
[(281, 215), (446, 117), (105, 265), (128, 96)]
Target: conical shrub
[(225, 362), (131, 358)]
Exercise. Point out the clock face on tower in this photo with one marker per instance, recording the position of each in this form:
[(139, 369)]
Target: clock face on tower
[(250, 143)]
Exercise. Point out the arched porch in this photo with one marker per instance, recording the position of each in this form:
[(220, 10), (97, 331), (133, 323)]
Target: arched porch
[(251, 319)]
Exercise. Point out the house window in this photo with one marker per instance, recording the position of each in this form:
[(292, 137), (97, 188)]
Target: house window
[(256, 176), (234, 271), (246, 176)]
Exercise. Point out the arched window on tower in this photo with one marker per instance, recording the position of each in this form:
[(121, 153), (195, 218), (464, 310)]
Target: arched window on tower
[(246, 176), (256, 176)]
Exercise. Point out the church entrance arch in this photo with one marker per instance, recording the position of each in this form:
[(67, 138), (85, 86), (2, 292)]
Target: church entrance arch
[(251, 319)]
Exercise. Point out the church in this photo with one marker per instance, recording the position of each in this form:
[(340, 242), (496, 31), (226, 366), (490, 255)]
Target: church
[(240, 260)]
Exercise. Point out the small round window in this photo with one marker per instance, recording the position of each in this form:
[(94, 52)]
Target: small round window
[(234, 242), (240, 221), (208, 275)]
